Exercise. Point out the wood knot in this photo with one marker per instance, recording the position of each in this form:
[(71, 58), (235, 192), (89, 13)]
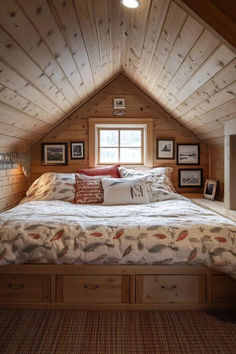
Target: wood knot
[(39, 10)]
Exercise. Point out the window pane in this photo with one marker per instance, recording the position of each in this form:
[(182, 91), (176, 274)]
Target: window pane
[(109, 137), (108, 155), (131, 155), (130, 138)]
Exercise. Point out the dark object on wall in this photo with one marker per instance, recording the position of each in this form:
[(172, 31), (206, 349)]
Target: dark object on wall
[(54, 154), (119, 112), (190, 177), (188, 154), (77, 150), (165, 149)]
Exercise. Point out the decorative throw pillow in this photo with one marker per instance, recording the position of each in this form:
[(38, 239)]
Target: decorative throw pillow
[(103, 171), (52, 186), (125, 191), (158, 178), (88, 189)]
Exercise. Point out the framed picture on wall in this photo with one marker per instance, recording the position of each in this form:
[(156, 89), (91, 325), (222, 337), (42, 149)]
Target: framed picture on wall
[(77, 150), (188, 154), (190, 177), (165, 149), (54, 154), (210, 189), (118, 103)]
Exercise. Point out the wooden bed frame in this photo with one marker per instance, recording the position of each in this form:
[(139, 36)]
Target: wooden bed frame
[(115, 287)]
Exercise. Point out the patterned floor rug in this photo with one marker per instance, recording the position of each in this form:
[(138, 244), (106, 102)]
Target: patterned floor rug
[(117, 332)]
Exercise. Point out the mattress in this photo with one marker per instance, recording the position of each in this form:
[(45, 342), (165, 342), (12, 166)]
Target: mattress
[(172, 231)]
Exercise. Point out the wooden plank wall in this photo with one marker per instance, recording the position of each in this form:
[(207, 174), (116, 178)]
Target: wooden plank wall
[(138, 105), (13, 185), (217, 168)]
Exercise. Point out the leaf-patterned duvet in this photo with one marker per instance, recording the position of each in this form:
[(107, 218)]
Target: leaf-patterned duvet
[(174, 231)]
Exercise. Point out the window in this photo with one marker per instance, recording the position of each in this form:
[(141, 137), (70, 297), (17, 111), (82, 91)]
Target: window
[(120, 145), (126, 141)]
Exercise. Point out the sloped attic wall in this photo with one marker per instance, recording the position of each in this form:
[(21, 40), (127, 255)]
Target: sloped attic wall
[(138, 105)]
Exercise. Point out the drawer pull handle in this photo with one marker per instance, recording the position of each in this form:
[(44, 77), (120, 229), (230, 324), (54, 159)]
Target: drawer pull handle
[(15, 286), (170, 288), (91, 286)]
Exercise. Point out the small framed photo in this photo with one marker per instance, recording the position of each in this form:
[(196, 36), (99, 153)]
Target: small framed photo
[(118, 103), (119, 112), (77, 150), (54, 154), (188, 154), (190, 177), (210, 189), (165, 149)]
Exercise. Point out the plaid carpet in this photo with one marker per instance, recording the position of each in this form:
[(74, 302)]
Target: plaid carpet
[(116, 332)]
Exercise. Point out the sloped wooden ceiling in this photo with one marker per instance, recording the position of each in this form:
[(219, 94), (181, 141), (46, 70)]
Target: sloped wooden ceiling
[(56, 54)]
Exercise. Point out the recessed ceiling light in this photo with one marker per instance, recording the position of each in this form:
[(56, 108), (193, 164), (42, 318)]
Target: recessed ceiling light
[(130, 3)]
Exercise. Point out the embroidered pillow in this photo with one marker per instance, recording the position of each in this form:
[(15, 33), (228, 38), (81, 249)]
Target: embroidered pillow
[(125, 191), (103, 171), (52, 186), (88, 189), (158, 178)]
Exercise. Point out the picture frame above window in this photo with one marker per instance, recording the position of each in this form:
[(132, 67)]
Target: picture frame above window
[(54, 154), (77, 150), (191, 177), (210, 189), (118, 103), (188, 154), (165, 149)]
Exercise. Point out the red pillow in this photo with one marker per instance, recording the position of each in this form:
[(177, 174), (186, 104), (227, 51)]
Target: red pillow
[(88, 189), (101, 171)]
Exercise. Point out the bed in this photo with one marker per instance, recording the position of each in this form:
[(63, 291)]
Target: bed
[(166, 254)]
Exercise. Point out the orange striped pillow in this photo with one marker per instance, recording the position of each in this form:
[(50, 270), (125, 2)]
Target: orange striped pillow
[(88, 189)]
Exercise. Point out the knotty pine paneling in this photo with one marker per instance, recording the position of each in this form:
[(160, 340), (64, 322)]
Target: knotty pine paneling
[(217, 168), (56, 54), (138, 105), (13, 186)]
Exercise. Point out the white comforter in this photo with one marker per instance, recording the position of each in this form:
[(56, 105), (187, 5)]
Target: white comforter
[(174, 231)]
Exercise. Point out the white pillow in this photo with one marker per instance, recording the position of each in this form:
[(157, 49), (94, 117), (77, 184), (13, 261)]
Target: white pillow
[(125, 191), (52, 186), (159, 178)]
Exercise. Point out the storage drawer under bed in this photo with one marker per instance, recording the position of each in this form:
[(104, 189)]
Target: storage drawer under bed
[(24, 288), (96, 289), (170, 289)]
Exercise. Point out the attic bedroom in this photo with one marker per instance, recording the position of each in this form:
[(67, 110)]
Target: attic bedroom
[(117, 175)]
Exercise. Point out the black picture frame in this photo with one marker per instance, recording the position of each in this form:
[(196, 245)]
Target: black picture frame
[(80, 153), (159, 151), (186, 159), (191, 171), (60, 157)]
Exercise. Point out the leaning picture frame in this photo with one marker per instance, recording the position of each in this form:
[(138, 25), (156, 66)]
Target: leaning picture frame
[(54, 154), (210, 189)]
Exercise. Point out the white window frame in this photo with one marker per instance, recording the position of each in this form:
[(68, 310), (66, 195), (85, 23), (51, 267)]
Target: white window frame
[(128, 123)]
